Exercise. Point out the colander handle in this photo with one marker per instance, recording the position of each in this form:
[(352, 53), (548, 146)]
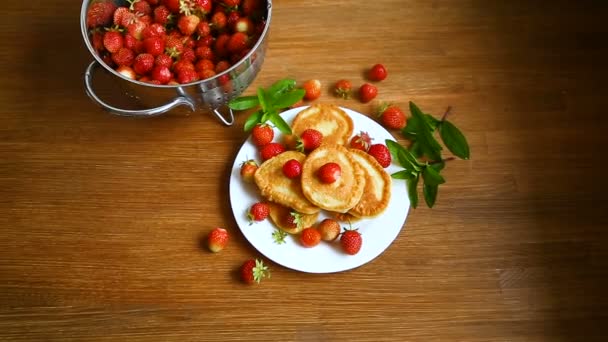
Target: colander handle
[(227, 120), (178, 101)]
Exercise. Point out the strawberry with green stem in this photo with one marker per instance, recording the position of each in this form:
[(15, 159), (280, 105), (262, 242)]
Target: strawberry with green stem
[(253, 271), (258, 212)]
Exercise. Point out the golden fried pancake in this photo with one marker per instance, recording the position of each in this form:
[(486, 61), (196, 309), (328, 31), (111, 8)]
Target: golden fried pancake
[(345, 192), (335, 125), (276, 187), (279, 214), (377, 190)]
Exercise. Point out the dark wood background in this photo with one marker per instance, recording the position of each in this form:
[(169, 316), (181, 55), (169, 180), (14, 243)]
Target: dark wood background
[(100, 216)]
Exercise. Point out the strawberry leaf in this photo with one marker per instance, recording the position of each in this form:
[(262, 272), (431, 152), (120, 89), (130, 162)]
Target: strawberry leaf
[(279, 123), (280, 87), (430, 194), (244, 102), (454, 140), (412, 192), (403, 174), (432, 177), (289, 98), (253, 119), (430, 146), (262, 99)]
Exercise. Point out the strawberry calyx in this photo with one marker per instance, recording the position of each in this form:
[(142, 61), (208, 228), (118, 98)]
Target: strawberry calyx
[(294, 219), (382, 108), (260, 271)]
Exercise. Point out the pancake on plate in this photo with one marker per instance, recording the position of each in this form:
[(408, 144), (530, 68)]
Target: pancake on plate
[(377, 190), (335, 125), (279, 214)]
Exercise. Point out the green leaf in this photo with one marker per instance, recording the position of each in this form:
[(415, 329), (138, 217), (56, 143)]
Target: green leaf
[(280, 87), (412, 192), (430, 146), (262, 99), (432, 176), (253, 119), (412, 127), (403, 156), (279, 123), (243, 102), (403, 174), (438, 166), (454, 140), (289, 98), (430, 194), (432, 121), (415, 149)]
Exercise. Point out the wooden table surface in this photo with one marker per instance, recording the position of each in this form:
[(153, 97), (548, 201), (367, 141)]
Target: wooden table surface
[(100, 216)]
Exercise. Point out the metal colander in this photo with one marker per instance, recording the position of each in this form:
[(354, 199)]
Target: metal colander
[(208, 95)]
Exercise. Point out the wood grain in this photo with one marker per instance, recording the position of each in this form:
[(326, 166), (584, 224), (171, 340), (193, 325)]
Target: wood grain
[(101, 216)]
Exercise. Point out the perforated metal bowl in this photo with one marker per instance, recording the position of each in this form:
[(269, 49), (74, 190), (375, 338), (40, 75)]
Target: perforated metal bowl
[(208, 95)]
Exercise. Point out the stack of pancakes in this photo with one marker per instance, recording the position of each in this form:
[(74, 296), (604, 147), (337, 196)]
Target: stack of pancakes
[(363, 189)]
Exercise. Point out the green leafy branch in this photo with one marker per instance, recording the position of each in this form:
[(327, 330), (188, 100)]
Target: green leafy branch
[(280, 95), (423, 159)]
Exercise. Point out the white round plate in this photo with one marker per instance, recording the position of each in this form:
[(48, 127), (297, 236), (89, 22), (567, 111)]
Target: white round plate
[(378, 233)]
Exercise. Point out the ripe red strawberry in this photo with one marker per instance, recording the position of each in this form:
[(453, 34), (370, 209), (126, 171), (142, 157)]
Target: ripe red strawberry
[(204, 64), (163, 60), (367, 92), (113, 41), (203, 29), (204, 6), (342, 88), (206, 41), (313, 89), (258, 212), (361, 141), (97, 40), (187, 76), (250, 7), (183, 64), (136, 28), (232, 18), (162, 15), (132, 43), (237, 42), (244, 25), (124, 57), (351, 241), (154, 30), (309, 140), (270, 150), (204, 52), (391, 116), (329, 229), (119, 15), (217, 239), (253, 271), (187, 24), (144, 62), (219, 21), (377, 73), (262, 134), (188, 55), (126, 72), (381, 153), (220, 45), (329, 172), (100, 13), (172, 5), (292, 168), (206, 73), (162, 74), (154, 46), (174, 46), (141, 7), (222, 66), (231, 3), (293, 220), (310, 237), (248, 169)]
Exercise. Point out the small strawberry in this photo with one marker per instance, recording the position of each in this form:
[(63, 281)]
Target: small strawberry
[(232, 18), (119, 14), (126, 72), (219, 21), (342, 88), (351, 241), (206, 73), (187, 24), (173, 46), (163, 60), (132, 43), (293, 220), (154, 30), (377, 73), (183, 64), (97, 40), (217, 239), (248, 169), (313, 89), (100, 13), (270, 150), (309, 140), (162, 15), (310, 237), (188, 55), (187, 75), (262, 134), (204, 64), (292, 168), (204, 6), (220, 45), (361, 141), (381, 153), (391, 116), (367, 92), (329, 229), (203, 29), (329, 172), (140, 7), (222, 66), (162, 74), (154, 45), (124, 57), (258, 212), (113, 41), (250, 7), (204, 52), (231, 3), (144, 62), (253, 271), (244, 25), (237, 42), (136, 28), (172, 5), (208, 40)]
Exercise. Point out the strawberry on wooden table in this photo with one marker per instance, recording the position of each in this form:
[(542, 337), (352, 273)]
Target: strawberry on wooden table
[(342, 88), (367, 92), (381, 153), (313, 89), (217, 239), (253, 271), (377, 73), (391, 116)]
